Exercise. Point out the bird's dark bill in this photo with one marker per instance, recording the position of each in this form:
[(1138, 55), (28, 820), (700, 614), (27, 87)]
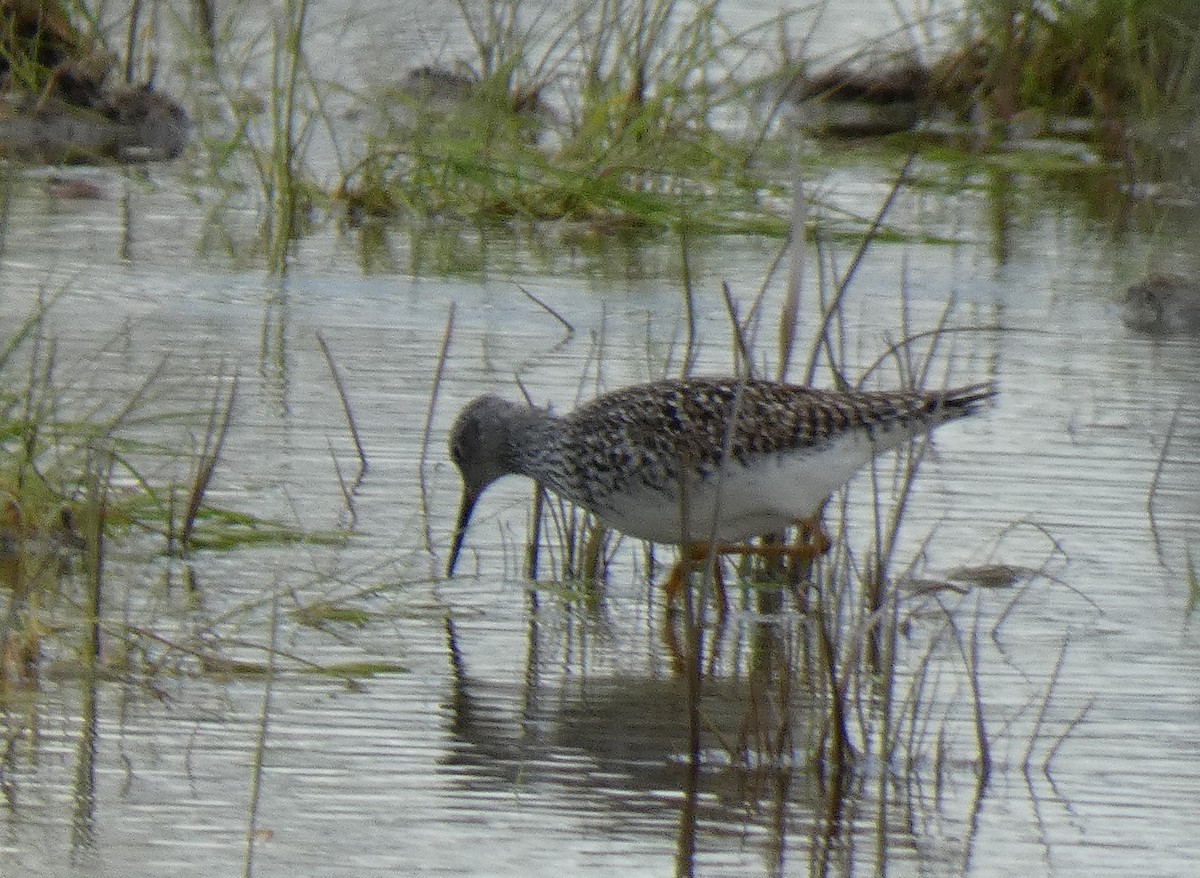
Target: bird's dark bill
[(460, 530)]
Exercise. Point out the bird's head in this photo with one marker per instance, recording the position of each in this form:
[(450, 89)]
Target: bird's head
[(481, 448)]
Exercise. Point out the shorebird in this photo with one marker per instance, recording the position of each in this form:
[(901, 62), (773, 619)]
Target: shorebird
[(702, 463), (1163, 304)]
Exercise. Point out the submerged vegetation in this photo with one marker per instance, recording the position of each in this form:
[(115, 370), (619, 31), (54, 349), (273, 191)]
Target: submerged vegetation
[(80, 481)]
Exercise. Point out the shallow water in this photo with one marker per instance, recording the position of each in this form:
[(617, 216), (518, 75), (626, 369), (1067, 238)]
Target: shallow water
[(519, 733), (531, 738)]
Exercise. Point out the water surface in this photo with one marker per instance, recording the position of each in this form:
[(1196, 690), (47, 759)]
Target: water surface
[(519, 732)]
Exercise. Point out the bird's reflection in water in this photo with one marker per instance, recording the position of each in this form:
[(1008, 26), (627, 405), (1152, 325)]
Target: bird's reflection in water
[(622, 744)]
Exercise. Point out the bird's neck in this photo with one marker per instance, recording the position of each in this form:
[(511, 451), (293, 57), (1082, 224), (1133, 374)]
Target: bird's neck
[(533, 438)]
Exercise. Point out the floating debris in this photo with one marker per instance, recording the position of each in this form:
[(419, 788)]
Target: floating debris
[(990, 575)]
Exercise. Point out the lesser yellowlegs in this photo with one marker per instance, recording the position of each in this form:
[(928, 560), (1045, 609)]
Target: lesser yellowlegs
[(695, 462)]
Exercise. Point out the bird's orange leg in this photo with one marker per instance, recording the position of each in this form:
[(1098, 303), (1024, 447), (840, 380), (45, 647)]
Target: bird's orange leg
[(813, 538), (691, 558), (695, 554), (813, 542)]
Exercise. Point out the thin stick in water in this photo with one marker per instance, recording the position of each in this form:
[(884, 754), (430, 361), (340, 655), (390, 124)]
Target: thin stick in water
[(347, 491), (341, 389), (822, 337), (570, 328), (438, 372), (1158, 469), (742, 363), (260, 748), (790, 310), (691, 345), (214, 440)]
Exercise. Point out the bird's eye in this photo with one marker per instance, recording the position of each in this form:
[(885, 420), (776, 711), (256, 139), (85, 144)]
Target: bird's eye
[(463, 441)]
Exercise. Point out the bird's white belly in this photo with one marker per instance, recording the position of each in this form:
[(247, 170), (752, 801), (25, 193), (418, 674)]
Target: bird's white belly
[(741, 501)]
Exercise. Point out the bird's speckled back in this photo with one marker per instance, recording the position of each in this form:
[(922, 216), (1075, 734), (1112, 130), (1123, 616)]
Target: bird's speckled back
[(648, 431)]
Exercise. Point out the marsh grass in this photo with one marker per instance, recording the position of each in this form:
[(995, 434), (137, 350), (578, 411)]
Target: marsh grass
[(602, 116), (1125, 65), (595, 115), (51, 45), (281, 176), (257, 108), (252, 99), (76, 483), (606, 120)]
